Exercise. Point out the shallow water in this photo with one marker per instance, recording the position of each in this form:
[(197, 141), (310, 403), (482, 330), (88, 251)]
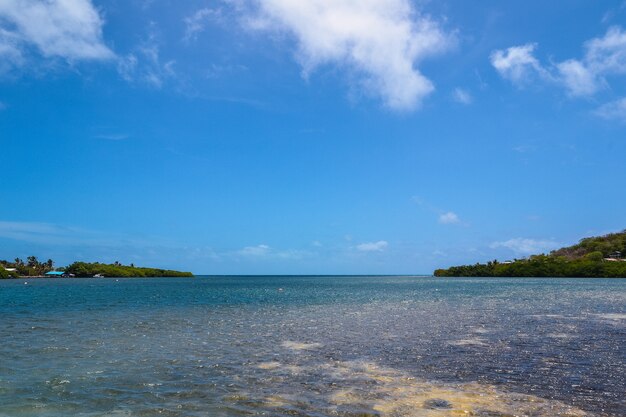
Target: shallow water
[(313, 346)]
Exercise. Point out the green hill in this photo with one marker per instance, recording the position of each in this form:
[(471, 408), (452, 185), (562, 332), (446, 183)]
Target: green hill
[(607, 245), (592, 257), (84, 269)]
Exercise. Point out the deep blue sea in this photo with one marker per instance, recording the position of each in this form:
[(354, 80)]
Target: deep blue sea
[(313, 346)]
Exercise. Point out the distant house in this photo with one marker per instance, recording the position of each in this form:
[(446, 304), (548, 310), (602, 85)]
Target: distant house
[(10, 269), (56, 274), (615, 257)]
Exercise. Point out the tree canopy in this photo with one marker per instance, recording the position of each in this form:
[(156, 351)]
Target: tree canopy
[(591, 258), (33, 267)]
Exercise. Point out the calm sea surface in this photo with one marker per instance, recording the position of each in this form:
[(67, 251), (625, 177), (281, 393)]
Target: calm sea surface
[(313, 346)]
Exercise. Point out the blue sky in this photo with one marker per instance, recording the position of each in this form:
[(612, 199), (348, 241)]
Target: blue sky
[(321, 136)]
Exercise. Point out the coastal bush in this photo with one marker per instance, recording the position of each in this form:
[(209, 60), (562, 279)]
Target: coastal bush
[(585, 259), (84, 269)]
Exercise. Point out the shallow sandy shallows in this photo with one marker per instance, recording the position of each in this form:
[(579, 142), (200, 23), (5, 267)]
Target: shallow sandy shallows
[(370, 390), (396, 394)]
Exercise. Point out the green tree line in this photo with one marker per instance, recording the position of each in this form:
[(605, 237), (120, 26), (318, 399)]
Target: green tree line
[(84, 269), (32, 267), (587, 259)]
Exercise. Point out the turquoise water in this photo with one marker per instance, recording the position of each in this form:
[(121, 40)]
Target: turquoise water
[(313, 346)]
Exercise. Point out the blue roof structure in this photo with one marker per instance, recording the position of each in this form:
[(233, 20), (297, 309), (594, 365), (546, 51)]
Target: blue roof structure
[(55, 273)]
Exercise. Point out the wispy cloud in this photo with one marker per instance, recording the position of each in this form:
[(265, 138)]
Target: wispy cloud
[(526, 246), (145, 64), (614, 110), (113, 136), (462, 96), (259, 250), (263, 251), (380, 42), (54, 234), (197, 22), (11, 55), (379, 246), (449, 218), (68, 29)]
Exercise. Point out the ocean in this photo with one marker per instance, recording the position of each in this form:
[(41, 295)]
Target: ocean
[(313, 346)]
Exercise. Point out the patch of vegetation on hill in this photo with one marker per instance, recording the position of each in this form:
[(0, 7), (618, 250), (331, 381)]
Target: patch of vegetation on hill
[(84, 269), (33, 268), (592, 257), (607, 245)]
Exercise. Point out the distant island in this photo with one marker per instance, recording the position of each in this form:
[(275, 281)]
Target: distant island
[(34, 268), (592, 257)]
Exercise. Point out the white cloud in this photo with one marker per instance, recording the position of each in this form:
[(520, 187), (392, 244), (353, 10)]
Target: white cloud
[(607, 55), (517, 63), (583, 77), (577, 78), (380, 42), (379, 246), (196, 23), (526, 246), (145, 65), (449, 218), (614, 110), (462, 96), (69, 29), (259, 250), (10, 54), (267, 252)]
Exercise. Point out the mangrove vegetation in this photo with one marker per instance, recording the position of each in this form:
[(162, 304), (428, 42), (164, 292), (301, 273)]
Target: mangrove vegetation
[(592, 257)]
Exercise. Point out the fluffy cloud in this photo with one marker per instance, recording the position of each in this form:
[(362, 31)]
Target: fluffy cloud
[(379, 246), (526, 246), (517, 63), (602, 57), (615, 110), (379, 41), (577, 78), (69, 29), (449, 218)]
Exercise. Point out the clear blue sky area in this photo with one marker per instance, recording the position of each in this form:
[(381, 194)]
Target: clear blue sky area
[(284, 136)]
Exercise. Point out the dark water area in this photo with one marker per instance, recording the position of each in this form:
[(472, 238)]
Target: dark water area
[(313, 346)]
